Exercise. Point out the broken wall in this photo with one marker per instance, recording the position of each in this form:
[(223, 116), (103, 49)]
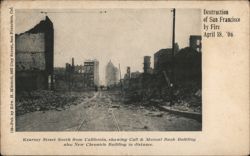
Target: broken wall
[(30, 52), (34, 50)]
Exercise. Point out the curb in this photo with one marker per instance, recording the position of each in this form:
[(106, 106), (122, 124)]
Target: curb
[(192, 115)]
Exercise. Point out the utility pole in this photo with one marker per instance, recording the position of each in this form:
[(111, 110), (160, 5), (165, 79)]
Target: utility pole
[(172, 70), (120, 77)]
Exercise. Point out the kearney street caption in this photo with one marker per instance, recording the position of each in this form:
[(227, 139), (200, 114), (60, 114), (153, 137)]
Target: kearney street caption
[(108, 142)]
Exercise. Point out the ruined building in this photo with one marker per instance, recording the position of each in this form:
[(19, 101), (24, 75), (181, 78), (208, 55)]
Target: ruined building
[(127, 74), (112, 74), (74, 76), (34, 57), (72, 68), (91, 73), (195, 42), (146, 65), (186, 64), (78, 77), (163, 58)]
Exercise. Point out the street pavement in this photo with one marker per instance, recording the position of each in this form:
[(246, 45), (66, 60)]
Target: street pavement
[(105, 112)]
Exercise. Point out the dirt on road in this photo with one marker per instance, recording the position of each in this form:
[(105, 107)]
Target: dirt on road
[(104, 111)]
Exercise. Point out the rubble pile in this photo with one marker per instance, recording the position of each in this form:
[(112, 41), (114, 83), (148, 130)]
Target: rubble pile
[(188, 98), (43, 100)]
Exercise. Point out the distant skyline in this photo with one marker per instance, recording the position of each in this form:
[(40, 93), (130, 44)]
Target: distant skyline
[(121, 35)]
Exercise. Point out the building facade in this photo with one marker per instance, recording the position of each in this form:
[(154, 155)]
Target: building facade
[(35, 57), (91, 73)]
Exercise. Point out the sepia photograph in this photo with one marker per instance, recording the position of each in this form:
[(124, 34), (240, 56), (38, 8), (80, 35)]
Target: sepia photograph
[(124, 77), (108, 69)]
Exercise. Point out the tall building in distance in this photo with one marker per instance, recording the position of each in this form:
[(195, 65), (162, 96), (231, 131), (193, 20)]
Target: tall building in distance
[(195, 42), (91, 73), (112, 74)]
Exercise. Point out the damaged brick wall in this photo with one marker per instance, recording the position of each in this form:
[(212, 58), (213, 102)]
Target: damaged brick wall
[(34, 57), (30, 52)]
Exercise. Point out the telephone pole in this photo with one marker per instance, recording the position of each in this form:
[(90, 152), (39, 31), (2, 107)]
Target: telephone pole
[(120, 79), (172, 63)]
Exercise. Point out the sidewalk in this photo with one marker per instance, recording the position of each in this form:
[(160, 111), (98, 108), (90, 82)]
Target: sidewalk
[(193, 115)]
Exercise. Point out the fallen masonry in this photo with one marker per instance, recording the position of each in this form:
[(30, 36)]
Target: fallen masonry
[(43, 100)]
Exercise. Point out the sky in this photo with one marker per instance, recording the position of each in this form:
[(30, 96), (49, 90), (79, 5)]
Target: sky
[(123, 36)]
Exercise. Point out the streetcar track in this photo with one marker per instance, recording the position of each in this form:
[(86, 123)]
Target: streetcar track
[(113, 116), (84, 121), (109, 103), (79, 127)]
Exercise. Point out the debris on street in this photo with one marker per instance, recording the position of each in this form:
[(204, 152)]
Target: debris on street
[(44, 100), (155, 114)]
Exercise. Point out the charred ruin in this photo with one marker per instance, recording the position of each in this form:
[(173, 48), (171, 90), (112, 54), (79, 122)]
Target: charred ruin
[(155, 83), (34, 57)]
